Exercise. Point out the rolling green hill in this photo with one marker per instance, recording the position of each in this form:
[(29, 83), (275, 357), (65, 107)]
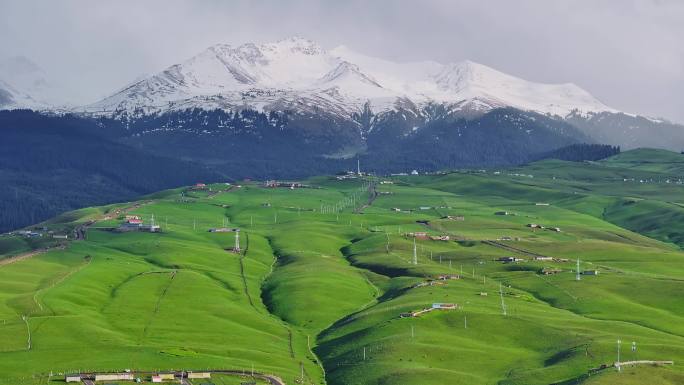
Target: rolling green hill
[(323, 274)]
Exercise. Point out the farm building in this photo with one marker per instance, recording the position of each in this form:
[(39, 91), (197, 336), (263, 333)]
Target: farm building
[(418, 235), (150, 228), (590, 272), (556, 229), (397, 209), (483, 294), (138, 225), (439, 237), (428, 283), (114, 377), (503, 213), (60, 236), (543, 258), (129, 217), (550, 271), (199, 186), (132, 225), (541, 204), (510, 259), (446, 277), (223, 230), (454, 217), (166, 376), (199, 375), (435, 306), (156, 379), (534, 226), (290, 185), (73, 378), (425, 207)]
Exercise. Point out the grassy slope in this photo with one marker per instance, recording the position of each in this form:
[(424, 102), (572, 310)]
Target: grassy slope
[(338, 283)]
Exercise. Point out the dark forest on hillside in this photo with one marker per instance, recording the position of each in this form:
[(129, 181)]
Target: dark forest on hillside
[(49, 165)]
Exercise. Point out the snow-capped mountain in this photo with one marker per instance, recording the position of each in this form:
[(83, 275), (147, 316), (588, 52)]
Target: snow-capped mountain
[(11, 98), (23, 84), (298, 74)]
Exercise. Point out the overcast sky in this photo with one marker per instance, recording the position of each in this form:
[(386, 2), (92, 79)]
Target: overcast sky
[(629, 54)]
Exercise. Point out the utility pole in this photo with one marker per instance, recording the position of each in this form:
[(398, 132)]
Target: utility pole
[(465, 322), (415, 253), (578, 276), (619, 368), (503, 305), (237, 240)]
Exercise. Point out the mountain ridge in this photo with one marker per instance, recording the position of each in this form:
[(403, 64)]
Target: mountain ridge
[(299, 70)]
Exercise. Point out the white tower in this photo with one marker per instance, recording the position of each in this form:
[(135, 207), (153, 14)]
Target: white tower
[(578, 276), (415, 252), (237, 241), (358, 166)]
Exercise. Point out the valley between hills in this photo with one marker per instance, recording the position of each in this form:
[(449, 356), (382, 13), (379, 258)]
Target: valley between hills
[(464, 277)]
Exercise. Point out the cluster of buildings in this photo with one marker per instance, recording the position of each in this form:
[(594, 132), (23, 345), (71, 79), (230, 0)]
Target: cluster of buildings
[(459, 218), (439, 280), (423, 235), (129, 376), (135, 223), (290, 185), (435, 306), (541, 227), (413, 172), (38, 232), (223, 230), (551, 259), (510, 259)]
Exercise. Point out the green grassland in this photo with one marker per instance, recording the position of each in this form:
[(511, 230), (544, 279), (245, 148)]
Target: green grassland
[(315, 294)]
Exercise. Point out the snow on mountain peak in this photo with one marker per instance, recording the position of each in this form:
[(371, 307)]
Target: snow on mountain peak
[(346, 70), (295, 69)]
